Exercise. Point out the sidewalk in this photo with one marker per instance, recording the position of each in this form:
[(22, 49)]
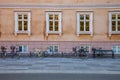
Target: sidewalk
[(60, 65)]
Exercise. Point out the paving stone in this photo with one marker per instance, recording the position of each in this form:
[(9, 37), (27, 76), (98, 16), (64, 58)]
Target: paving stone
[(60, 65)]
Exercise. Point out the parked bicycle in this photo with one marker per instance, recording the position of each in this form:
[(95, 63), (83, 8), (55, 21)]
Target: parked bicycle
[(36, 53), (14, 52), (80, 52), (3, 52)]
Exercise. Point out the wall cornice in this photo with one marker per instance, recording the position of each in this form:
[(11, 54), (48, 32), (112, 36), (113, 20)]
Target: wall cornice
[(13, 5)]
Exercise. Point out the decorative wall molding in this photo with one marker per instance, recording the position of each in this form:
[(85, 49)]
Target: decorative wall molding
[(105, 5)]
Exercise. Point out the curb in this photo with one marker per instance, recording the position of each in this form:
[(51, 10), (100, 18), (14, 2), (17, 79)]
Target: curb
[(55, 71)]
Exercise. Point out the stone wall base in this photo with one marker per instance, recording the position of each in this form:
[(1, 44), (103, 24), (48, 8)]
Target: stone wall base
[(64, 46)]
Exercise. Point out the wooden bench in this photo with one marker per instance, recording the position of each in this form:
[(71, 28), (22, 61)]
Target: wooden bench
[(101, 52)]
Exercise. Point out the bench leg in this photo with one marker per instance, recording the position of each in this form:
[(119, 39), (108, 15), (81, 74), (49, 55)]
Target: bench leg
[(93, 55), (112, 55)]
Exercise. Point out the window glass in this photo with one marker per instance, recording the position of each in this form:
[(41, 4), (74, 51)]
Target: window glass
[(22, 22), (20, 48), (113, 25), (118, 25), (81, 17), (19, 25), (81, 26), (118, 16), (25, 48), (87, 17), (50, 17), (115, 22), (51, 49), (53, 22), (86, 48), (19, 16), (84, 22), (56, 25), (87, 26), (25, 16), (51, 25), (25, 25), (56, 49), (113, 16), (118, 49), (114, 49), (56, 17)]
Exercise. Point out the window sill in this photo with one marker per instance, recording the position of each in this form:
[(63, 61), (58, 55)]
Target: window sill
[(54, 33), (22, 32), (116, 32), (85, 32), (89, 33)]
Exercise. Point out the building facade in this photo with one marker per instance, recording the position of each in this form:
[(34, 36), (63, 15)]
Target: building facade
[(60, 25)]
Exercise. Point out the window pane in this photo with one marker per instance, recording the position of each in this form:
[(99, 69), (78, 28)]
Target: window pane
[(19, 25), (19, 16), (51, 25), (25, 16), (25, 49), (81, 26), (87, 17), (87, 48), (114, 49), (56, 49), (56, 25), (113, 16), (56, 17), (51, 48), (113, 25), (25, 25), (118, 25), (50, 17), (81, 17), (20, 48), (119, 16), (87, 26), (118, 49)]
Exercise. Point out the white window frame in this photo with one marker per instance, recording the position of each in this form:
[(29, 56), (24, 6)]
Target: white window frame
[(117, 49), (23, 48), (90, 24), (53, 49), (59, 26), (85, 47), (110, 24), (29, 23)]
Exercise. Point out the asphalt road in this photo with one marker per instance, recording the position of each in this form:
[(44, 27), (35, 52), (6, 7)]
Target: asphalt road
[(58, 76)]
